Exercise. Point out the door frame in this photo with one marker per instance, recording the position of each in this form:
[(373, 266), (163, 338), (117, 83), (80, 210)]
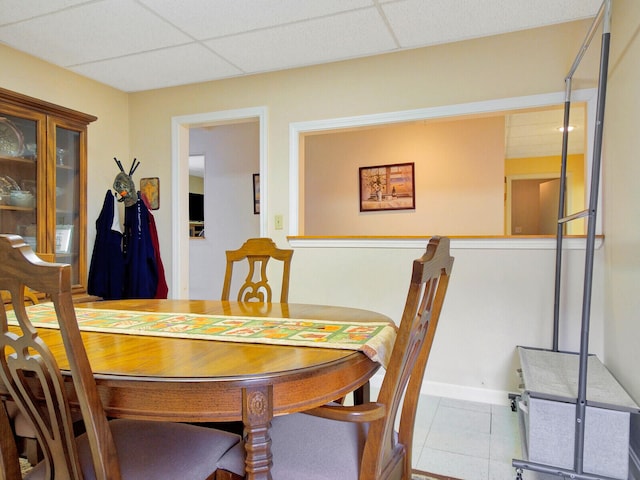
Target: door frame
[(180, 125), (529, 176)]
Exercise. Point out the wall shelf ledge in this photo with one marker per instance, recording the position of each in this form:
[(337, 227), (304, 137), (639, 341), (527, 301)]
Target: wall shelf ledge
[(577, 242)]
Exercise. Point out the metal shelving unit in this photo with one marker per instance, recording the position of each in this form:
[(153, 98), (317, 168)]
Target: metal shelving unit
[(556, 382)]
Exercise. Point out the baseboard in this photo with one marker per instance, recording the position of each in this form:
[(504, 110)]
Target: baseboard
[(459, 392)]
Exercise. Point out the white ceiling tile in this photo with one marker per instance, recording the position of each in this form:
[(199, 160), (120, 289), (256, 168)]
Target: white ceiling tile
[(91, 32), (158, 69), (421, 22), (206, 19), (256, 35), (16, 10), (353, 34)]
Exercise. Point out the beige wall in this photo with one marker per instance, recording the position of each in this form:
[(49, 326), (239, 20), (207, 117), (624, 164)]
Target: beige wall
[(459, 178), (621, 172), (196, 184), (538, 62)]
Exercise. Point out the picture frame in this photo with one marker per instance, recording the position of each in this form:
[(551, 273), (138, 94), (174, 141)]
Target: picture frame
[(63, 238), (387, 187), (150, 189), (256, 193)]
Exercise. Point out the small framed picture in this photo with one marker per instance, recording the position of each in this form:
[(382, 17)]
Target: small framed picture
[(63, 238), (256, 193), (150, 189)]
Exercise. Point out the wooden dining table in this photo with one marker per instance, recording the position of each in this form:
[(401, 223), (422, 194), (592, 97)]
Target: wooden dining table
[(198, 380)]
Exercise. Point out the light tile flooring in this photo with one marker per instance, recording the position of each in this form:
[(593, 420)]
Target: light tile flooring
[(465, 440)]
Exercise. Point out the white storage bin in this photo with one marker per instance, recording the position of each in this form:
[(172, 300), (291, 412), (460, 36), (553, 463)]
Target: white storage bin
[(547, 403), (551, 431)]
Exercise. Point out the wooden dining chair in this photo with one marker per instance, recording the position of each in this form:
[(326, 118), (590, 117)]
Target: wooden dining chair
[(24, 432), (22, 429), (257, 252), (108, 450), (336, 442)]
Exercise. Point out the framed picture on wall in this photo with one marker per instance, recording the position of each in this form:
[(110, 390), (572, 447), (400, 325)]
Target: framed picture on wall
[(150, 189), (256, 193), (387, 187)]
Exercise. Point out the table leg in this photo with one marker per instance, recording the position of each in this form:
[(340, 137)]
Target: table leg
[(362, 395), (9, 464), (257, 412)]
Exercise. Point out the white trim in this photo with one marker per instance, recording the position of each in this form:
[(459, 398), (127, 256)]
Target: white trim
[(179, 287), (498, 243), (297, 129), (459, 392)]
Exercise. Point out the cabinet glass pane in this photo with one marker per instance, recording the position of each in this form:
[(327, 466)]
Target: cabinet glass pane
[(18, 169), (67, 198)]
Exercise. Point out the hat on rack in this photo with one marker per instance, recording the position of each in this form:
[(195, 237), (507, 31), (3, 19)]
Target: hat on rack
[(124, 185)]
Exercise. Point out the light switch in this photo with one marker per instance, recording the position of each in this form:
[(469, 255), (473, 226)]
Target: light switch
[(278, 222)]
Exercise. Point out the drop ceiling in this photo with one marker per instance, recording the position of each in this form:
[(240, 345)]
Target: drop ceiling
[(136, 45), (537, 133)]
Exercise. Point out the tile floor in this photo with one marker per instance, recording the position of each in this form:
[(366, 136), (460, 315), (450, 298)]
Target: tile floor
[(466, 440)]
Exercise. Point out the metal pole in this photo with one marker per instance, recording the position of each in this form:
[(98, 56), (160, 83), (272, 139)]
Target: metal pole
[(561, 214), (605, 10), (581, 401)]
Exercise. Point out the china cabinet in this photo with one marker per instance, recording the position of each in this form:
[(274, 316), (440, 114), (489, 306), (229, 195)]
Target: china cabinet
[(43, 171)]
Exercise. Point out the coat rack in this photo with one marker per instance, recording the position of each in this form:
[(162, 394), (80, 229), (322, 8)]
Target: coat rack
[(570, 431)]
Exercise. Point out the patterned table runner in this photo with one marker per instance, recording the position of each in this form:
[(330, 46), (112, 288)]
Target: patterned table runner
[(374, 339)]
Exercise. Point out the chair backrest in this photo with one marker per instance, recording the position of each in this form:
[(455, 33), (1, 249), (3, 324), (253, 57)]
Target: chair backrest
[(32, 375), (257, 252), (30, 296), (383, 456)]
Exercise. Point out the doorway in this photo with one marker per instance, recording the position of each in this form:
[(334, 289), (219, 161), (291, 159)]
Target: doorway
[(533, 206), (231, 159), (217, 232)]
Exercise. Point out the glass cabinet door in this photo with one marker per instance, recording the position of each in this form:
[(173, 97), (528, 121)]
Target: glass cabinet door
[(21, 164), (68, 193)]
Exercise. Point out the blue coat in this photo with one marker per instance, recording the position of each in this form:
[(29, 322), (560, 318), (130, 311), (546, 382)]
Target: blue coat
[(141, 270), (106, 272)]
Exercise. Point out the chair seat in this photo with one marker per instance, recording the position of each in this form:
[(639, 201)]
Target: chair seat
[(147, 450), (310, 448)]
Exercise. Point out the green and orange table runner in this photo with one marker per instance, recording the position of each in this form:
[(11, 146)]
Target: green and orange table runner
[(374, 339)]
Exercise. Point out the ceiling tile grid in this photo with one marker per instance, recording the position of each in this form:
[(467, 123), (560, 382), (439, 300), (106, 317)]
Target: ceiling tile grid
[(160, 68), (137, 45), (207, 19), (418, 22), (348, 35)]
